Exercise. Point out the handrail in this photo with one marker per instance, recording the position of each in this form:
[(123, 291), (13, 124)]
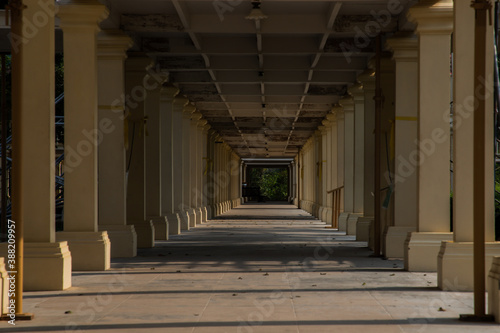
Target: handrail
[(335, 189), (337, 195)]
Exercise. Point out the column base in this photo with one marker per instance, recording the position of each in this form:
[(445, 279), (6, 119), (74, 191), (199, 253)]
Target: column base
[(145, 233), (174, 224), (123, 240), (421, 250), (320, 212), (343, 217), (315, 209), (160, 225), (395, 238), (199, 216), (192, 218), (456, 262), (210, 212), (326, 216), (352, 222), (214, 211), (184, 216), (90, 251), (363, 228), (204, 214), (493, 286), (47, 266)]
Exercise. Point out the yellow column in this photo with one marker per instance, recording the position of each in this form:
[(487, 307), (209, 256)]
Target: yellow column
[(338, 111), (455, 261), (367, 79), (178, 160), (187, 181), (90, 248), (206, 166), (359, 165), (135, 76), (404, 176), (111, 52), (198, 172), (435, 24), (47, 262), (348, 107), (154, 142), (327, 166), (167, 96)]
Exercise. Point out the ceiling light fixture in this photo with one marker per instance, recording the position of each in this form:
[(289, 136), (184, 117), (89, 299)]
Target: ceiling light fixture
[(256, 13)]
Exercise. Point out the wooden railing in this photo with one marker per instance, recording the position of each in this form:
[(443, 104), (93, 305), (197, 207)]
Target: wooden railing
[(336, 196)]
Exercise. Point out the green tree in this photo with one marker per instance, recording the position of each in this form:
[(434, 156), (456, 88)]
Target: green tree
[(273, 183)]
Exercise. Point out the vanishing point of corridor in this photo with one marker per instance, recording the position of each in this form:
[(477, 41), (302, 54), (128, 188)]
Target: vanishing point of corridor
[(261, 267)]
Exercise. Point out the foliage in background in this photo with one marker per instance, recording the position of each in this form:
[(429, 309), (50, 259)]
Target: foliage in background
[(59, 89), (273, 182)]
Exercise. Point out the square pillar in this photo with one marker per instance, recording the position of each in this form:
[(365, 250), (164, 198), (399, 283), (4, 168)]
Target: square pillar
[(35, 115), (90, 248), (434, 26), (167, 95), (347, 103), (455, 263), (178, 160), (367, 79), (111, 54), (405, 55), (195, 160), (136, 80), (154, 166)]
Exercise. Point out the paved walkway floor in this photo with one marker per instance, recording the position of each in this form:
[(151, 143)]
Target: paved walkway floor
[(258, 268)]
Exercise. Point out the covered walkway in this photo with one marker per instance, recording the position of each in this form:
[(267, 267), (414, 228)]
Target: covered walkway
[(264, 267)]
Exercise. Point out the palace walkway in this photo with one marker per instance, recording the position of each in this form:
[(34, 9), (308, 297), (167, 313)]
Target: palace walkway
[(257, 268)]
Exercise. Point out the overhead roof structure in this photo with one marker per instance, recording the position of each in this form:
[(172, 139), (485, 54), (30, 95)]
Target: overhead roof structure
[(264, 85)]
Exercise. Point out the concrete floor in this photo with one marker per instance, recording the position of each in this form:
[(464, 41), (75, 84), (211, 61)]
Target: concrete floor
[(246, 272)]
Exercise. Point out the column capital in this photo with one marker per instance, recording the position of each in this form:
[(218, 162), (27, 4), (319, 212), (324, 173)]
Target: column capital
[(404, 48), (211, 133), (196, 117), (327, 123), (331, 117), (206, 128), (81, 14), (188, 110), (367, 79), (180, 102), (169, 92), (338, 111), (113, 45), (202, 123), (356, 91), (434, 17), (347, 103)]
